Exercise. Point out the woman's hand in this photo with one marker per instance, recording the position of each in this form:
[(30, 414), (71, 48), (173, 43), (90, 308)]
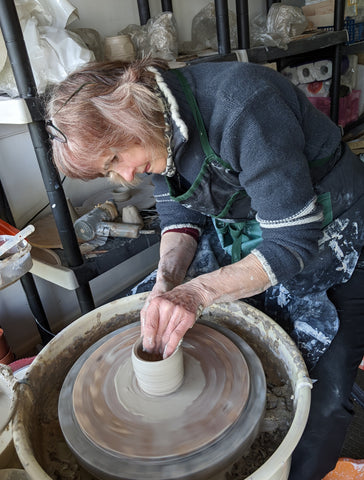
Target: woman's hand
[(176, 253), (167, 317), (159, 288)]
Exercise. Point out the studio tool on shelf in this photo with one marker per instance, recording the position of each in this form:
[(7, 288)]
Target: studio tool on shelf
[(99, 221)]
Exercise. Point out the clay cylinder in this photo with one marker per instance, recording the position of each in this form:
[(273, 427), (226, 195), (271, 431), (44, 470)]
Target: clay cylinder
[(154, 375)]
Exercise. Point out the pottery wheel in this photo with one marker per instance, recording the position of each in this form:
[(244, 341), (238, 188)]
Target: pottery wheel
[(101, 404)]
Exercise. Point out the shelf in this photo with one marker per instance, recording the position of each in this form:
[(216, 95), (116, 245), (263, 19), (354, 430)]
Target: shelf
[(357, 47), (15, 110), (112, 253), (297, 47), (116, 251), (127, 251), (300, 46)]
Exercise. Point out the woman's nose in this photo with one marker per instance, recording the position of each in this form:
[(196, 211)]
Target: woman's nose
[(127, 173)]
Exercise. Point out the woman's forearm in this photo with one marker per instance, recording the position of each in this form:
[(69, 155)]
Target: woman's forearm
[(242, 279), (176, 254)]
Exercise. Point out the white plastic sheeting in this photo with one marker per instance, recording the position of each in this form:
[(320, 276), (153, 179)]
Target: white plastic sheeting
[(53, 51)]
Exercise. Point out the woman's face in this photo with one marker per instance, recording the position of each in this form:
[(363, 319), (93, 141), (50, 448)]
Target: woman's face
[(136, 159)]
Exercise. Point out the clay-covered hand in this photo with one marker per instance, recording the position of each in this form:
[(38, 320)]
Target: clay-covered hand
[(167, 318), (159, 288), (176, 253)]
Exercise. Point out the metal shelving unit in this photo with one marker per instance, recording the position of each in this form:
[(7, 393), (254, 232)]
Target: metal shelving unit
[(330, 44)]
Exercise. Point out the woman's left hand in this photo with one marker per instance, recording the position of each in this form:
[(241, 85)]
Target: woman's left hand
[(167, 318)]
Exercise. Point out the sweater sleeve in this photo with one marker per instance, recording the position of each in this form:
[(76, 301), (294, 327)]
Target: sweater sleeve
[(172, 214), (268, 144)]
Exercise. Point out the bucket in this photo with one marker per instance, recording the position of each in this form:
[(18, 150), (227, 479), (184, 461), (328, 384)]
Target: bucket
[(7, 408), (13, 474), (37, 436)]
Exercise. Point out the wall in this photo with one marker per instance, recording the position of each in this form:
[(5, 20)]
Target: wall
[(110, 16), (22, 182)]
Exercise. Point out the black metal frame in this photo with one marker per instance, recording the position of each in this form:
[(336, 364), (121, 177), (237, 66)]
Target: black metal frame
[(19, 59)]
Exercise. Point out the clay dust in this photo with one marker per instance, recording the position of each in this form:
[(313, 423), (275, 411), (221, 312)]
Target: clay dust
[(277, 420)]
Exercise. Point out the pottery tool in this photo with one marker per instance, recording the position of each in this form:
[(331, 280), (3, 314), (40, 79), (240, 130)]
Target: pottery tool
[(99, 221), (16, 239), (128, 230)]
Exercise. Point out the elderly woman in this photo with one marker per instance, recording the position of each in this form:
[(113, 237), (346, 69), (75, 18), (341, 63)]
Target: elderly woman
[(237, 146)]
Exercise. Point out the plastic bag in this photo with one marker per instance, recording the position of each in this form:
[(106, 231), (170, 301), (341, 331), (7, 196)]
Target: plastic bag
[(53, 51), (287, 20), (158, 37), (259, 34), (282, 23), (54, 13), (204, 32)]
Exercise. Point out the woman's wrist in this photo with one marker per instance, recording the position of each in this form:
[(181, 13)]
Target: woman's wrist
[(233, 282)]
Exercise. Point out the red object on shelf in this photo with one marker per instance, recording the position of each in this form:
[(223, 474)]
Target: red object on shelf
[(348, 106), (361, 366), (6, 229), (21, 363), (6, 355)]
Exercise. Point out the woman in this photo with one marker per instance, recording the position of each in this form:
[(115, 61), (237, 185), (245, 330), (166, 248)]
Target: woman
[(238, 144)]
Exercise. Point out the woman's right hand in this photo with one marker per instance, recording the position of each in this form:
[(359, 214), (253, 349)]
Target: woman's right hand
[(159, 288), (176, 253), (167, 317)]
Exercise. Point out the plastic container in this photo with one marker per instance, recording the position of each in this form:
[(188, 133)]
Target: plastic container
[(9, 376), (38, 395), (13, 474), (15, 263), (348, 106), (119, 47)]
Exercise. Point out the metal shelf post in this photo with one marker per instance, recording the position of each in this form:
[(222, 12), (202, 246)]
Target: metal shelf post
[(14, 41)]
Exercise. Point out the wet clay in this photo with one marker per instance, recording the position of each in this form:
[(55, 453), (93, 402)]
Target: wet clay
[(5, 402), (61, 464), (158, 377), (117, 415), (276, 423)]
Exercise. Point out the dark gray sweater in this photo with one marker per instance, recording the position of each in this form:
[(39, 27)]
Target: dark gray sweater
[(267, 130)]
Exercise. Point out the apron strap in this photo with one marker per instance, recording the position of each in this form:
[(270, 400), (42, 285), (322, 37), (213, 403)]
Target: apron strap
[(196, 114)]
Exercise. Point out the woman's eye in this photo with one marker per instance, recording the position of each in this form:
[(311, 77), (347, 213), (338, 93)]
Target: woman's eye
[(110, 162)]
